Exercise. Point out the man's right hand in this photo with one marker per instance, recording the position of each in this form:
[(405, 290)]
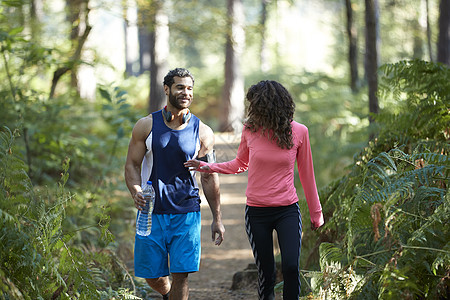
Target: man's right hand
[(217, 228), (139, 201)]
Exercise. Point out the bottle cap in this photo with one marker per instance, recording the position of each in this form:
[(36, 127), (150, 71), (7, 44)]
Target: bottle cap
[(149, 182)]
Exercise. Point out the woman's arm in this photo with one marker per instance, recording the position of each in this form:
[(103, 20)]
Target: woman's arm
[(306, 174), (235, 166)]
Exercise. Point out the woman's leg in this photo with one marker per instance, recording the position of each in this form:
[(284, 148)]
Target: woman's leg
[(289, 231), (259, 229)]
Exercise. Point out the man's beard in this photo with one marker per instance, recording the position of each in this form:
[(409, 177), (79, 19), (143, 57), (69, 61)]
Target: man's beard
[(173, 101)]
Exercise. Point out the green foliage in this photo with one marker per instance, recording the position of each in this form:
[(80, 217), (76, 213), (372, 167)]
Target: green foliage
[(55, 237), (39, 259), (389, 223), (90, 133), (426, 98)]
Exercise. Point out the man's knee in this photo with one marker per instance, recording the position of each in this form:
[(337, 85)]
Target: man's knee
[(160, 283), (179, 276), (153, 280)]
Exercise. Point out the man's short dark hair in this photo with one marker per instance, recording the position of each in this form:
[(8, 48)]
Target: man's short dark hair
[(178, 72)]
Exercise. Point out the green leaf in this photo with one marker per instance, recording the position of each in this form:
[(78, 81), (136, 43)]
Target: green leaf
[(13, 3), (120, 132), (15, 31), (120, 94), (105, 94)]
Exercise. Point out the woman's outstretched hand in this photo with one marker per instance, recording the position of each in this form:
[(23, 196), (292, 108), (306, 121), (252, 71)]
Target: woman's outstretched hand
[(196, 165)]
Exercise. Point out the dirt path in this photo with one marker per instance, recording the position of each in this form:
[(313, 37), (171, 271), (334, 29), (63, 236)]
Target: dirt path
[(220, 263)]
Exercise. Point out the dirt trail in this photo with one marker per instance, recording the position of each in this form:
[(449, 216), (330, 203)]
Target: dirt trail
[(220, 263)]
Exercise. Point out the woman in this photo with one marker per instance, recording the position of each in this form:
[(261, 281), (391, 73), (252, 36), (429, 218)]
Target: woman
[(271, 143)]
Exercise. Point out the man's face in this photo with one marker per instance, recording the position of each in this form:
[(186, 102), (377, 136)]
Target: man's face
[(181, 93)]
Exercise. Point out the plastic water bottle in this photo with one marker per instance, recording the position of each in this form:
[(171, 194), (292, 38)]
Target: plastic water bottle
[(144, 217)]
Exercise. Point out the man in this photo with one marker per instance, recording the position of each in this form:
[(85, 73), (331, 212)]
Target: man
[(159, 146)]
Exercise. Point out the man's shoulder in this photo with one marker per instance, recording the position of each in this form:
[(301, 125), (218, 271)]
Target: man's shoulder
[(206, 134), (205, 129), (145, 121), (143, 126)]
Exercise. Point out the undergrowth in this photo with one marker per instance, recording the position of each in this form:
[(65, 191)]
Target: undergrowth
[(388, 234)]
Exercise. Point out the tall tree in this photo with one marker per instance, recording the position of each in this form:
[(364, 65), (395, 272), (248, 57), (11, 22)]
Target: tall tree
[(371, 64), (418, 35), (264, 60), (78, 17), (352, 35), (154, 47), (127, 6), (36, 14), (443, 55), (430, 50), (144, 35), (233, 92), (159, 50)]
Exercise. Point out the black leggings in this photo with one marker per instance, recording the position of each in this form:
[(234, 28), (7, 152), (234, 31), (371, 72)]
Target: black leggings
[(260, 223)]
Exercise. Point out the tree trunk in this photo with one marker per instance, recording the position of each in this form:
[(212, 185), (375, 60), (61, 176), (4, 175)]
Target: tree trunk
[(159, 50), (233, 93), (353, 47), (443, 55), (36, 14), (264, 51), (74, 16), (130, 44), (372, 55), (430, 49), (144, 39), (78, 16), (418, 37)]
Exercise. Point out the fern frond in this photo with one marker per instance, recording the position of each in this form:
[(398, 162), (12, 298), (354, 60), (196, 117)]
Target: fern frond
[(329, 253), (5, 217), (432, 158)]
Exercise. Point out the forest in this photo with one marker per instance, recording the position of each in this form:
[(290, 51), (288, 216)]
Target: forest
[(370, 79)]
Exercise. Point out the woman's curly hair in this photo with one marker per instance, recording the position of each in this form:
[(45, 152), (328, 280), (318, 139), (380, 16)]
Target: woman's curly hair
[(271, 109)]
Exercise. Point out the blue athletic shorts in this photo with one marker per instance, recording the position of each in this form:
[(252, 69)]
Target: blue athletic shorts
[(174, 236)]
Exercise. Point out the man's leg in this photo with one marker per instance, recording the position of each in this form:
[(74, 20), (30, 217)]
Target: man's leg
[(151, 257), (161, 284), (184, 251), (180, 288)]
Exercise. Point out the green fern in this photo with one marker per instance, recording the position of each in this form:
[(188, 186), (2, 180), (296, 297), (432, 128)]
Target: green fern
[(392, 209), (39, 256)]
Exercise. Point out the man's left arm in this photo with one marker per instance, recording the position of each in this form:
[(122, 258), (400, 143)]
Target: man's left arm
[(210, 184)]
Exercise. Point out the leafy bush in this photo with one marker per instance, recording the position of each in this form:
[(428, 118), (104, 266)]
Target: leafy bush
[(55, 240), (39, 259), (389, 234)]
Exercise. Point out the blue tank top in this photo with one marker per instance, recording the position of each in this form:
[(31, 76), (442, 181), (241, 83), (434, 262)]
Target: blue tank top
[(167, 149)]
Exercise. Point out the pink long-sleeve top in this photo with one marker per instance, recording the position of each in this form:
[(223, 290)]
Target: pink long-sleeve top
[(271, 170)]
